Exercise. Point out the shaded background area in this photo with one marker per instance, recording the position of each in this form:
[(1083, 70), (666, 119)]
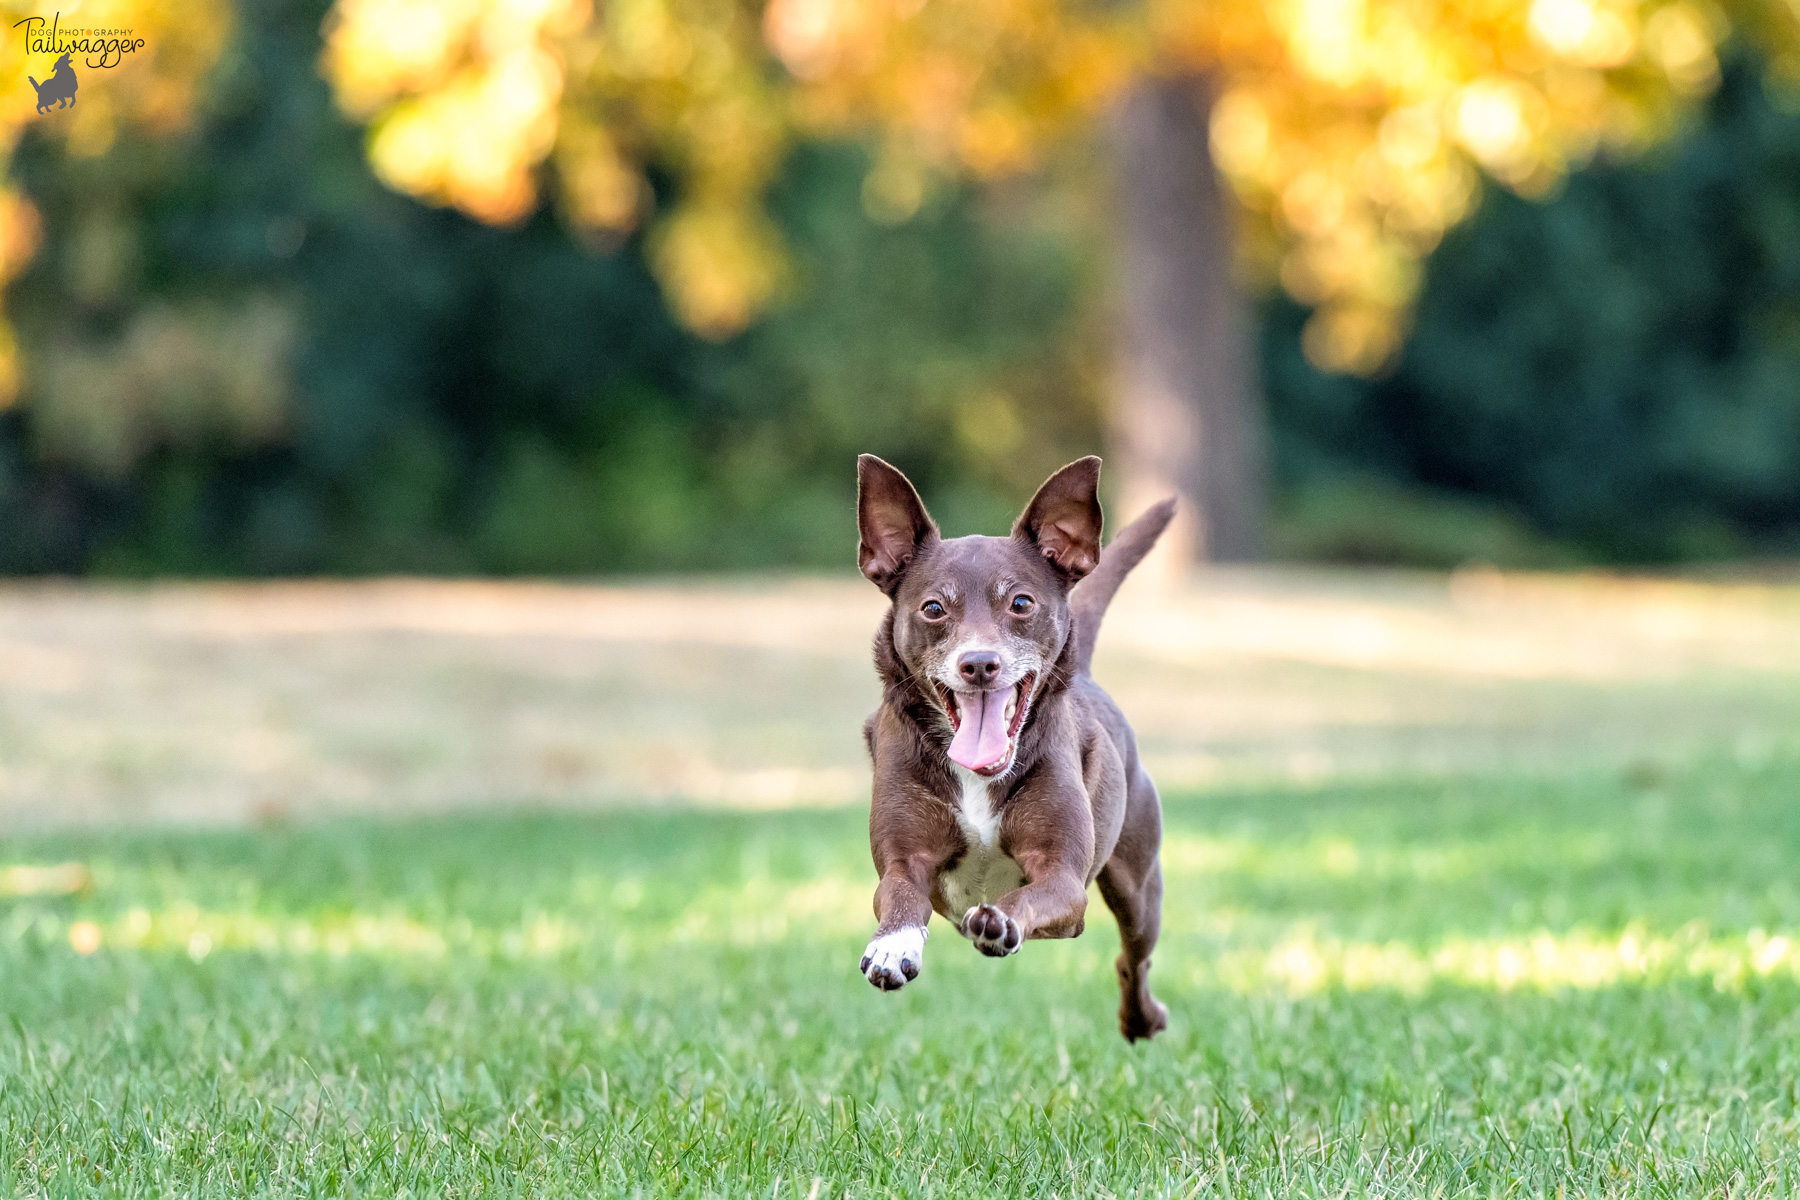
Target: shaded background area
[(244, 356)]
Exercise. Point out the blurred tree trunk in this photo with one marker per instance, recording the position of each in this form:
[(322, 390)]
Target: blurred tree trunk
[(1187, 412)]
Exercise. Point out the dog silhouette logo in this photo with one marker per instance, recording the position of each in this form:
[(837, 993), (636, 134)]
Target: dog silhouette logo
[(59, 89)]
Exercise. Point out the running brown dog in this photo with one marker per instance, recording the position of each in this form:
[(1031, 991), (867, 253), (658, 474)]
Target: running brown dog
[(1006, 780)]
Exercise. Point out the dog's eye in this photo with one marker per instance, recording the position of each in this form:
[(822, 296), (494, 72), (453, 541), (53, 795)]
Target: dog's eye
[(931, 610), (1022, 604)]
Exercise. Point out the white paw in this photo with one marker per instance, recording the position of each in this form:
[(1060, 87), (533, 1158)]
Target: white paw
[(893, 959), (994, 933)]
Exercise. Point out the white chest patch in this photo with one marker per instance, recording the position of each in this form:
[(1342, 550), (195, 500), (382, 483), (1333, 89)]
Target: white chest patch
[(983, 874)]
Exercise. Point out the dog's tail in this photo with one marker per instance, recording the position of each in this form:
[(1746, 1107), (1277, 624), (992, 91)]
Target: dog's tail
[(1087, 603), (36, 86)]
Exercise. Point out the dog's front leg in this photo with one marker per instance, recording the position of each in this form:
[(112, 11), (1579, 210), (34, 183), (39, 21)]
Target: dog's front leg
[(902, 908), (1050, 836), (1052, 904)]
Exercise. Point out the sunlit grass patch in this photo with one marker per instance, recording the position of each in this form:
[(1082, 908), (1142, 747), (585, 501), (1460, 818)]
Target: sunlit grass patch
[(31, 879), (1544, 960), (1511, 985)]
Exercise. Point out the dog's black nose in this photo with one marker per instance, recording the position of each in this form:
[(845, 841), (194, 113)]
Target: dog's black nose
[(979, 667)]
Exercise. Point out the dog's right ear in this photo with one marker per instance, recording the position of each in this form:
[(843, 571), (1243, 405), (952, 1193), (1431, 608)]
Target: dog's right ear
[(891, 520)]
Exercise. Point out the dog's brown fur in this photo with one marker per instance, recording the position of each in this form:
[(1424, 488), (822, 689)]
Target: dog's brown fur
[(1074, 806)]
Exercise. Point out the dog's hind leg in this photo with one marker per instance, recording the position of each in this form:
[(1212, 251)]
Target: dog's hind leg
[(1131, 884)]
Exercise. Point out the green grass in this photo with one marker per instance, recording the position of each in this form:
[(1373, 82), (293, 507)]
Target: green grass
[(1473, 986)]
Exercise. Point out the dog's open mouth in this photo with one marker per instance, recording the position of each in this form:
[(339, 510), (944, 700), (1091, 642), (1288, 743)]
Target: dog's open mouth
[(985, 725)]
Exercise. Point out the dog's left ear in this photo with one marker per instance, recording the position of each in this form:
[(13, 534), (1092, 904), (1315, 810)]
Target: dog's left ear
[(1063, 519)]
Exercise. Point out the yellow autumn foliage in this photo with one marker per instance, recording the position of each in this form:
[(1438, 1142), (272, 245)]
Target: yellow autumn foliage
[(480, 103), (1355, 132)]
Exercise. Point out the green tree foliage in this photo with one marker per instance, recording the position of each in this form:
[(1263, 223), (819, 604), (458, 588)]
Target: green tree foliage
[(244, 355), (1618, 368)]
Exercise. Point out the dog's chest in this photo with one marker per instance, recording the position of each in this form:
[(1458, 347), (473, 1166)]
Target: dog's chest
[(983, 874)]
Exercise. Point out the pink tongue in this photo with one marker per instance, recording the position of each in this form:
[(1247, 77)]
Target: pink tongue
[(980, 740)]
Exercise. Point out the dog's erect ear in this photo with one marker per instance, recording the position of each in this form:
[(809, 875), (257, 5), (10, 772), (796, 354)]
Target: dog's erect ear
[(1063, 519), (891, 520)]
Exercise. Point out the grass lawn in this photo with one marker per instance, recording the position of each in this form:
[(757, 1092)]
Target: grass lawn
[(1573, 983)]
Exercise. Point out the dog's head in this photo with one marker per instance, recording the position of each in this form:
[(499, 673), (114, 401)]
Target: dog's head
[(978, 621), (61, 63)]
